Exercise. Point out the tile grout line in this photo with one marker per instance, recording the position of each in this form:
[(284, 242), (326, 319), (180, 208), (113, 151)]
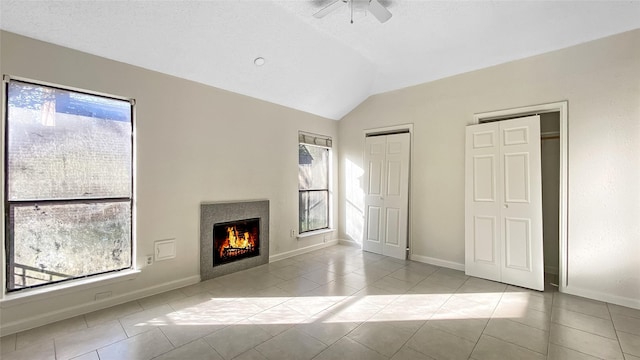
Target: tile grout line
[(580, 350), (615, 331), (586, 331), (524, 347), (581, 299), (520, 346), (408, 338), (430, 317), (55, 350), (487, 324), (550, 322), (529, 326)]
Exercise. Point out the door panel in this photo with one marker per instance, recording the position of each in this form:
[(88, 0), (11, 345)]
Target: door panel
[(392, 227), (486, 239), (484, 186), (375, 148), (518, 246), (483, 139), (482, 231), (509, 190), (375, 179), (516, 136), (395, 147), (394, 180), (522, 233), (396, 200), (373, 223), (516, 177)]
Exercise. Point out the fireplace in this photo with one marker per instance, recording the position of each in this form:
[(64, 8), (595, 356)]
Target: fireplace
[(234, 236), (235, 240)]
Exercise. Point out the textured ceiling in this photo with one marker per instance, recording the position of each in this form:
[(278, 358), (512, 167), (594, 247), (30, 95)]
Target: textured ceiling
[(322, 66)]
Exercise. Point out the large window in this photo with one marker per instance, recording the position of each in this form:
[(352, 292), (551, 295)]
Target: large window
[(313, 182), (68, 184)]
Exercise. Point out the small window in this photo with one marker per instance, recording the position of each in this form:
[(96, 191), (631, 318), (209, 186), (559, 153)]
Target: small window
[(68, 184), (313, 183)]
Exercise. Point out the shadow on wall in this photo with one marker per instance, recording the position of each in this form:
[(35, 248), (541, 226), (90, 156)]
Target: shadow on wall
[(354, 196)]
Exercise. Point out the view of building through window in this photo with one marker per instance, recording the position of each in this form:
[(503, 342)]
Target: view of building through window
[(68, 184), (313, 186)]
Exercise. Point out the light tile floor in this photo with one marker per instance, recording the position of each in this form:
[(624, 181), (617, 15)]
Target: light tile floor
[(341, 303)]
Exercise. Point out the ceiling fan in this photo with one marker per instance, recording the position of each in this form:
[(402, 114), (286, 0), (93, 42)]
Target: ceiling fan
[(373, 6)]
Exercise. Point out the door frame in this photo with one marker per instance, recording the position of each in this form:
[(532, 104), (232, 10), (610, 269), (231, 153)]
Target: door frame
[(562, 108), (388, 130)]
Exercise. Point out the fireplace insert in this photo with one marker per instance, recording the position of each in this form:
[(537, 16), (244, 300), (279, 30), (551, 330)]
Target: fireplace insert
[(235, 240)]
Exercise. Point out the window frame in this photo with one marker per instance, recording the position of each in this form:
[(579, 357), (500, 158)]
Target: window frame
[(326, 190), (8, 274)]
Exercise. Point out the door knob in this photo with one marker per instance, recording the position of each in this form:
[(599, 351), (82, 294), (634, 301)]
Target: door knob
[(506, 206)]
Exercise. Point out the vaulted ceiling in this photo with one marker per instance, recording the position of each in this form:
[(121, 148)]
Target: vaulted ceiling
[(322, 66)]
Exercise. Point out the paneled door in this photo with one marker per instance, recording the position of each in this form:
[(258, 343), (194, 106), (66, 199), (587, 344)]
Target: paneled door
[(503, 202), (387, 194)]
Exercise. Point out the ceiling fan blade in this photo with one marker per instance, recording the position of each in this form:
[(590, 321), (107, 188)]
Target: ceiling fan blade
[(380, 12), (327, 9)]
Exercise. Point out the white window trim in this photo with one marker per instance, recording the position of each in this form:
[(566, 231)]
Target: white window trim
[(314, 233), (330, 224), (68, 287)]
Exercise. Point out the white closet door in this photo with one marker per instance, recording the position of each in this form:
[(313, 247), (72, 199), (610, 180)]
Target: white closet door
[(503, 205), (387, 194), (482, 203), (375, 148), (396, 196), (522, 203)]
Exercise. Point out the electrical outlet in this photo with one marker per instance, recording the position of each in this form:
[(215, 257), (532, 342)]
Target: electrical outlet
[(149, 259), (293, 233)]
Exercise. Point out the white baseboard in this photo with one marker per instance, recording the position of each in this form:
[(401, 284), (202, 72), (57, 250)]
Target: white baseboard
[(349, 243), (437, 262), (597, 295), (572, 290), (61, 314), (301, 251)]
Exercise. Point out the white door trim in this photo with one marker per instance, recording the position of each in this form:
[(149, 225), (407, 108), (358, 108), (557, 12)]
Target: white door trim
[(562, 108), (390, 130)]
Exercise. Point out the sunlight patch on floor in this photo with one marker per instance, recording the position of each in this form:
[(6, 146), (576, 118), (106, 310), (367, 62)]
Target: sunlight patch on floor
[(338, 309)]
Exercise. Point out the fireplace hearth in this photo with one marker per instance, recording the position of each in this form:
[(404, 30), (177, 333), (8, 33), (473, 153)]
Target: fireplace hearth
[(234, 236)]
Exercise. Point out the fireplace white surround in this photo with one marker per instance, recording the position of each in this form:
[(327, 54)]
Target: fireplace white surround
[(212, 213)]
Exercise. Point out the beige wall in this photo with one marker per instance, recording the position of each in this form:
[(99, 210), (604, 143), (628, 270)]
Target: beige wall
[(194, 143), (601, 82)]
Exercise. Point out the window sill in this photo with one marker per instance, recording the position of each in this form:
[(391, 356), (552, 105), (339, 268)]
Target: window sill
[(69, 287), (314, 233)]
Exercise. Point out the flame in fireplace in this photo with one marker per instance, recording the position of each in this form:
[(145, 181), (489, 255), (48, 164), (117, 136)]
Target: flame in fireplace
[(237, 240)]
